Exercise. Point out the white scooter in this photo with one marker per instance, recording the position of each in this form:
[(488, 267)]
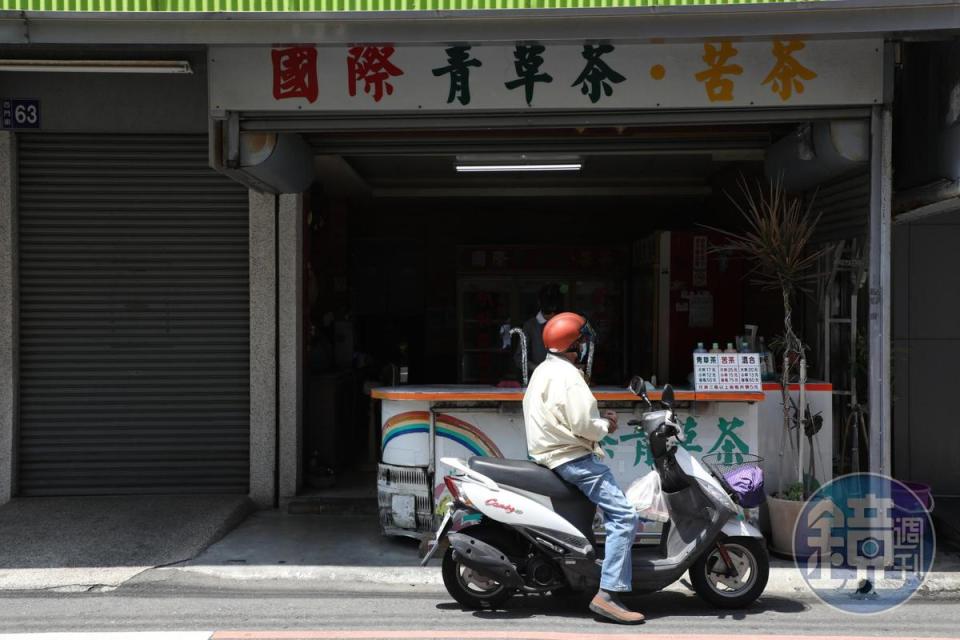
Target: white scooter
[(515, 527)]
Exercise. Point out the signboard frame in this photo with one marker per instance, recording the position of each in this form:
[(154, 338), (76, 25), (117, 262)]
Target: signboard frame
[(490, 77)]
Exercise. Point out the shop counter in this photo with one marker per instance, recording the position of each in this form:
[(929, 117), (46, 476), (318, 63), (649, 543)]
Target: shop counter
[(459, 393), (422, 424)]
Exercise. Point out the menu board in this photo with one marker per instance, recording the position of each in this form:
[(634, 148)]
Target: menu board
[(726, 372)]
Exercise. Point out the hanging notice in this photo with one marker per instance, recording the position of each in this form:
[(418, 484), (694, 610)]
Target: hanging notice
[(726, 372)]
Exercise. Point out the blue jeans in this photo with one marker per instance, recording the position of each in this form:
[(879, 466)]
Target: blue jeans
[(619, 517)]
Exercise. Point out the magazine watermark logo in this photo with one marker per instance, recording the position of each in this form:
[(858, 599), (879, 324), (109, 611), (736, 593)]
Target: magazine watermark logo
[(864, 543)]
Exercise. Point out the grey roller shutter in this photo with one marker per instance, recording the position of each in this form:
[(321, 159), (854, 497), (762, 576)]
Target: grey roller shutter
[(134, 318)]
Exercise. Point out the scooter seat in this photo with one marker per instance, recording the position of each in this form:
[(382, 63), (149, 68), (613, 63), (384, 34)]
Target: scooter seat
[(526, 475), (569, 502)]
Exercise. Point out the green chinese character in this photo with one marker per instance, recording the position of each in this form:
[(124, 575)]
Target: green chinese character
[(690, 435), (527, 63), (610, 442), (643, 452), (458, 68), (597, 78)]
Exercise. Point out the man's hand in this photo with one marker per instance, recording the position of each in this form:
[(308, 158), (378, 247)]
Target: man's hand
[(612, 417)]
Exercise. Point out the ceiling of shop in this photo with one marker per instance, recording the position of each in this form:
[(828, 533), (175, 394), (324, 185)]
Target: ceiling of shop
[(616, 162)]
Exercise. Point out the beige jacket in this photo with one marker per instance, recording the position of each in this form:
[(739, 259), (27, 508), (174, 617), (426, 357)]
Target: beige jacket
[(561, 415)]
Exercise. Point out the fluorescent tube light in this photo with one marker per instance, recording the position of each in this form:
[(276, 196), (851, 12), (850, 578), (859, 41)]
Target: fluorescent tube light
[(492, 168), (97, 66)]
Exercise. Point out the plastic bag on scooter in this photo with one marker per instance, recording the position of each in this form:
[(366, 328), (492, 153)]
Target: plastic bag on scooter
[(647, 498)]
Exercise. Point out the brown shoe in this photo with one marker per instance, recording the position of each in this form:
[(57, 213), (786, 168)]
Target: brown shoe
[(608, 606)]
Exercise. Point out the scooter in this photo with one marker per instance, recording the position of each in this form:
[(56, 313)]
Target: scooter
[(516, 527)]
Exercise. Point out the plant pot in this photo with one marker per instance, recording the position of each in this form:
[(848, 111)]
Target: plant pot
[(783, 519)]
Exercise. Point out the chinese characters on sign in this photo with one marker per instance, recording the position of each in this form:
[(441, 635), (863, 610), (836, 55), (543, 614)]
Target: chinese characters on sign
[(727, 442), (864, 543), (295, 73), (786, 75), (719, 87), (372, 66), (727, 372), (719, 72), (527, 63), (458, 68), (597, 78)]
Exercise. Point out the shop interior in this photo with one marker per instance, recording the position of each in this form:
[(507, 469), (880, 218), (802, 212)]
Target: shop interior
[(414, 262)]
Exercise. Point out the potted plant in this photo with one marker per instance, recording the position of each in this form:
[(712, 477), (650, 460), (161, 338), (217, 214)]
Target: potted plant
[(775, 241)]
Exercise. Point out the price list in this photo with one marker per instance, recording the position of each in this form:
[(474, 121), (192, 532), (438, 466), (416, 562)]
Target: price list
[(727, 372)]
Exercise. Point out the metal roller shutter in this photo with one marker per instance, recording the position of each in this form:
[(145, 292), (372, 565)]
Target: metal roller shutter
[(845, 208), (134, 318)]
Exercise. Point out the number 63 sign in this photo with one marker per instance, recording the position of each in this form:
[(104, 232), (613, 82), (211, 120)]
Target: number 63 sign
[(20, 114)]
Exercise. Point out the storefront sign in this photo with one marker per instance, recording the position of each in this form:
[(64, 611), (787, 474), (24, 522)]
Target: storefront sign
[(336, 6), (727, 372), (596, 75), (19, 114)]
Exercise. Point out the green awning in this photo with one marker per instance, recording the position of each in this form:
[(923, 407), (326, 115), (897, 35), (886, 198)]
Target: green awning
[(346, 5)]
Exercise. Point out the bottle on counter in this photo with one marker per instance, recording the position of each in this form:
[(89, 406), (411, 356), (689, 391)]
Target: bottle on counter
[(692, 378), (744, 347), (729, 348), (715, 348), (767, 370)]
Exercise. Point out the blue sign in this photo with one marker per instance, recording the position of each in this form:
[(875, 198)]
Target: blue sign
[(864, 543), (20, 114)]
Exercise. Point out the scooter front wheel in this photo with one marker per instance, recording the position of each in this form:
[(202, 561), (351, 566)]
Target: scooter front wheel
[(470, 588), (733, 587)]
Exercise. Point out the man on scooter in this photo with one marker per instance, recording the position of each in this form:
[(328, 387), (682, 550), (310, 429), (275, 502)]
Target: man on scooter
[(564, 429)]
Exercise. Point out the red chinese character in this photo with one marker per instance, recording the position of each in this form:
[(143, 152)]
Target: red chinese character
[(372, 65), (295, 73)]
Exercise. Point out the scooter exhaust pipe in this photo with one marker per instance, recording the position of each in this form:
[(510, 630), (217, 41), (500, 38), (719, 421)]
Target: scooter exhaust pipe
[(485, 559)]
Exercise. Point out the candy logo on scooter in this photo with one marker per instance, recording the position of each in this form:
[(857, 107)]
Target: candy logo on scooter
[(509, 508)]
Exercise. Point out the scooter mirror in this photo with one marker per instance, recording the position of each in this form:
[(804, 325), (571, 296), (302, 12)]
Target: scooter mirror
[(637, 386), (666, 398)]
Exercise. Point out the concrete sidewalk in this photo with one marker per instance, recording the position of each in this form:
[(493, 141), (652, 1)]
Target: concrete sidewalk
[(313, 552), (98, 543), (347, 554)]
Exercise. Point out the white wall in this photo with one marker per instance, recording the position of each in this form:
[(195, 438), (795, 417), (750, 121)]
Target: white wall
[(771, 441)]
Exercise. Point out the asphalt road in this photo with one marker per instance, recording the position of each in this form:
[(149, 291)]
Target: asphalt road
[(133, 609)]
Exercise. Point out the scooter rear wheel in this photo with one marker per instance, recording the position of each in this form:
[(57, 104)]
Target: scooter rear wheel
[(715, 584), (471, 589)]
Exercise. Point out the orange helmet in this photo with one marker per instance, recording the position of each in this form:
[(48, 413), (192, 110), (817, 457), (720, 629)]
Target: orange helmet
[(562, 331)]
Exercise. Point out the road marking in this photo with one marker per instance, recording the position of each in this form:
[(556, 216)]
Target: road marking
[(425, 634), (112, 635), (428, 634)]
